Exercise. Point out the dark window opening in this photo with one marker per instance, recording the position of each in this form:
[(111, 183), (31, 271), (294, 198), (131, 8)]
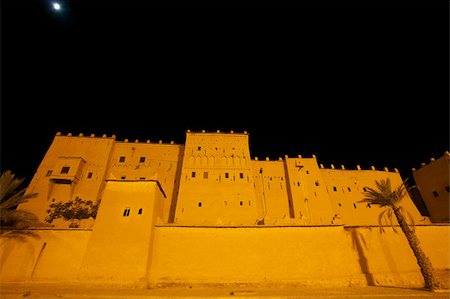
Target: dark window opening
[(240, 203), (193, 174), (122, 159), (354, 205), (126, 212), (140, 211), (142, 178), (65, 169), (141, 159), (205, 175), (199, 148), (349, 190), (298, 184), (49, 172), (200, 204), (334, 189), (227, 175), (241, 175), (89, 175), (123, 177), (307, 172), (340, 204), (435, 193), (317, 183)]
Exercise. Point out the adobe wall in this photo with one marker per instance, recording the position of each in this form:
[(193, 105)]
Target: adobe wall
[(42, 255), (321, 255)]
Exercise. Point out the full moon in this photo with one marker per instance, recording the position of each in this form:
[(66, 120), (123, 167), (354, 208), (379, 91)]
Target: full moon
[(56, 6)]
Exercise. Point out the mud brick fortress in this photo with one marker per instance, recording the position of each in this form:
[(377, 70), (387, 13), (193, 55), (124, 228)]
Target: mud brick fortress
[(207, 212)]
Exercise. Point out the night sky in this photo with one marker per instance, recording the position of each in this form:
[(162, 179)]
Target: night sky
[(355, 82)]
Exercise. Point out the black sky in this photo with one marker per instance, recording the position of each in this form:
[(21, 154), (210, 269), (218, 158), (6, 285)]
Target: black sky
[(355, 82)]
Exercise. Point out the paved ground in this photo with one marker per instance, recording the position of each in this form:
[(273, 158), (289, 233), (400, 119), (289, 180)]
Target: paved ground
[(9, 291)]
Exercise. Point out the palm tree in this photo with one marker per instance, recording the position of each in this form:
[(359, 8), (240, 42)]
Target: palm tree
[(386, 197), (10, 198)]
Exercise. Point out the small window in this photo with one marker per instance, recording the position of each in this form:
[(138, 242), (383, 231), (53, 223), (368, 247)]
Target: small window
[(307, 172), (435, 193), (447, 188), (199, 204), (126, 212), (141, 159), (227, 175), (241, 175), (199, 148), (334, 189), (49, 172), (354, 205), (122, 159), (298, 184), (241, 203), (65, 169), (193, 174), (205, 175), (340, 204), (349, 189), (142, 178), (317, 183), (123, 177), (89, 175), (249, 202), (140, 211)]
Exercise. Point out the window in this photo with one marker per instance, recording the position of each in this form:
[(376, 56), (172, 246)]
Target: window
[(435, 193), (89, 175), (65, 169), (193, 174), (199, 148), (307, 172), (126, 212), (142, 178), (49, 172), (227, 175), (122, 159), (241, 175), (340, 204), (123, 177), (141, 159), (354, 205), (334, 189), (317, 183), (205, 175), (240, 203), (349, 190), (199, 204), (140, 211)]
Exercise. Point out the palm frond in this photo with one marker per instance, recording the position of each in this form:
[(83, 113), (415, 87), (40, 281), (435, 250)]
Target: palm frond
[(10, 196)]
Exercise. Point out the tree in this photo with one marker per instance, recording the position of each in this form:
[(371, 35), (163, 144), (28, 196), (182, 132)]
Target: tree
[(386, 197), (73, 210), (10, 197)]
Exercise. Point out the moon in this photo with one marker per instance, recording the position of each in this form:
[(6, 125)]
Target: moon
[(56, 6)]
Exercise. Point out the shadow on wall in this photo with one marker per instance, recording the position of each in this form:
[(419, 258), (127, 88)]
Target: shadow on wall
[(358, 243)]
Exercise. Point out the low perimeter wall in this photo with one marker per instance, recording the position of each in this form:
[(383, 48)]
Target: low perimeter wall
[(325, 255)]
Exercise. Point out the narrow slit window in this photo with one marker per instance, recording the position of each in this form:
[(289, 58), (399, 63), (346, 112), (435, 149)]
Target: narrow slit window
[(354, 205), (349, 189), (241, 203), (334, 189), (126, 212), (49, 172), (89, 175), (140, 211), (317, 183), (123, 177), (141, 159), (193, 174), (122, 159), (227, 175), (199, 204), (241, 175), (205, 175)]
